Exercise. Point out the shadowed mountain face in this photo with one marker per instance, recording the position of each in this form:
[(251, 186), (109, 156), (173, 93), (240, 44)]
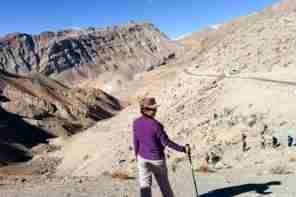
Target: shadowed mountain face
[(17, 137), (52, 106), (73, 55)]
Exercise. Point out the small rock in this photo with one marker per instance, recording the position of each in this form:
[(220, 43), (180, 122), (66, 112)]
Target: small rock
[(121, 161)]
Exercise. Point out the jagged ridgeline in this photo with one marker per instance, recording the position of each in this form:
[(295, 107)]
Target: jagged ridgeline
[(76, 54)]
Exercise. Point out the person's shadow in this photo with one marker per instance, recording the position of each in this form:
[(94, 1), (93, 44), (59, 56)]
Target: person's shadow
[(240, 189)]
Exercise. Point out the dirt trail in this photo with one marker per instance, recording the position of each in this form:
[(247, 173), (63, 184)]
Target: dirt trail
[(227, 184), (260, 79)]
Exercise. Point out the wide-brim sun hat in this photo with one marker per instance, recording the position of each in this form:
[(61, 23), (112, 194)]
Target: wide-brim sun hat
[(148, 103)]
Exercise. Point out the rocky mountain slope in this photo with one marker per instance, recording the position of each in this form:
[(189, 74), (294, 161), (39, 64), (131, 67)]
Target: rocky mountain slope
[(243, 84), (72, 55), (35, 108), (240, 83), (283, 7), (203, 40), (46, 108), (246, 50), (45, 100)]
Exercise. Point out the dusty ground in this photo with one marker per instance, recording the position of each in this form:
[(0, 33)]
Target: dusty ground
[(224, 184)]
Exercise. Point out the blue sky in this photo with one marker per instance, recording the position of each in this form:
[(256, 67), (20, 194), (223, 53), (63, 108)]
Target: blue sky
[(174, 17)]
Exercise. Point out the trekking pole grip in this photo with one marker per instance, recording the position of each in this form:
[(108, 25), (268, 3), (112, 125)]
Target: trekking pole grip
[(188, 151)]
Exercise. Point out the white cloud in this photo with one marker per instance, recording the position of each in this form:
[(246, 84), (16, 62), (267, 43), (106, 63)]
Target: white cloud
[(182, 36), (217, 26), (76, 28)]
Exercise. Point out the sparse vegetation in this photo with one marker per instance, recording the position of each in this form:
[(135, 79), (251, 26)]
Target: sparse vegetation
[(280, 170), (205, 169), (118, 175), (176, 162), (292, 159)]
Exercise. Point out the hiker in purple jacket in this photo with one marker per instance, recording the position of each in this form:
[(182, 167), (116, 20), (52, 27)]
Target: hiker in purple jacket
[(150, 140)]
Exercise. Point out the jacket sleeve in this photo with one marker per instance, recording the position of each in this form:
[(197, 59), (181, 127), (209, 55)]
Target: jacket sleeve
[(135, 141), (166, 141)]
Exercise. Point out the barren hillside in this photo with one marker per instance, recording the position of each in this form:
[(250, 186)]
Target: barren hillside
[(236, 80), (283, 7), (203, 40), (35, 109), (241, 85)]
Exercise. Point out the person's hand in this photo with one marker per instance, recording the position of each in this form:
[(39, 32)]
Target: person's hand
[(187, 148)]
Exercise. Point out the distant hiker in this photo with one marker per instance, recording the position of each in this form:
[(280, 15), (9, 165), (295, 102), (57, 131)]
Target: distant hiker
[(275, 142), (263, 139), (150, 140), (244, 145), (290, 141), (207, 158)]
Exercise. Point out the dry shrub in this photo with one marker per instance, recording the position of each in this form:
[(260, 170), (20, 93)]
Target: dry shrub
[(179, 159), (238, 158), (280, 170), (105, 173), (176, 162), (205, 169), (118, 175), (174, 167), (292, 159)]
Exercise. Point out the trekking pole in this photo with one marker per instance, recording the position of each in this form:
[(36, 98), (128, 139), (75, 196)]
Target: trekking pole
[(192, 169)]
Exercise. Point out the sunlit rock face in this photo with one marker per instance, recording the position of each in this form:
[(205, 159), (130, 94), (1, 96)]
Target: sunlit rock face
[(76, 54)]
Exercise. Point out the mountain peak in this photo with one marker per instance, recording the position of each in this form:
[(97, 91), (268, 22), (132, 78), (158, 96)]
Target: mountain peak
[(284, 6)]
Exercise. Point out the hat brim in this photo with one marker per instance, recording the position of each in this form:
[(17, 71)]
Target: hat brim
[(151, 106)]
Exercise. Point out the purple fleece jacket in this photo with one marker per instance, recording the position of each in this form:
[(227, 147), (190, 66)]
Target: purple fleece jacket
[(150, 139)]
